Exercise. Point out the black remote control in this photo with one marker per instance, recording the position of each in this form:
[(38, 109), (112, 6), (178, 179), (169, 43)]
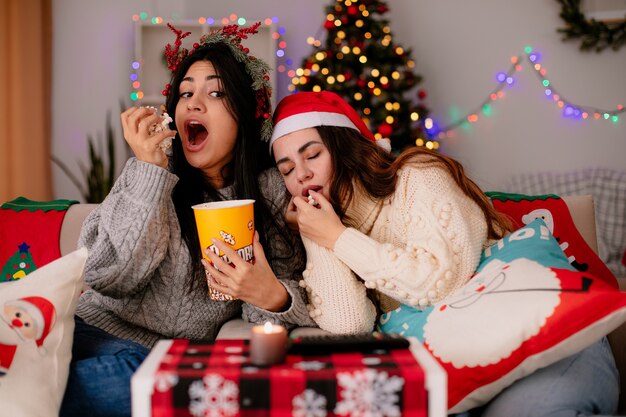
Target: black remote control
[(361, 343)]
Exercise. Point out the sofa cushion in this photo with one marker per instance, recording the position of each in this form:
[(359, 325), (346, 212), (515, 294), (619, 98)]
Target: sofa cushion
[(72, 225), (523, 209), (29, 229), (36, 334), (608, 188), (525, 308)]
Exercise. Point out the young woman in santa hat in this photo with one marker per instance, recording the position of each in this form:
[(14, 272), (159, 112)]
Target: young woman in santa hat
[(381, 230), (144, 271), (410, 229)]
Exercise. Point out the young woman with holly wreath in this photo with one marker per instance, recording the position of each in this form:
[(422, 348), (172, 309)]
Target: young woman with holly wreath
[(145, 274)]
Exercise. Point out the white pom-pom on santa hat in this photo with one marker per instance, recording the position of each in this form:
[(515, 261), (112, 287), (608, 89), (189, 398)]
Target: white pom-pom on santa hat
[(41, 311), (310, 109)]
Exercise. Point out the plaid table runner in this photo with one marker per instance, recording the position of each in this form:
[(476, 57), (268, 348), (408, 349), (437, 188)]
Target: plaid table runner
[(218, 379)]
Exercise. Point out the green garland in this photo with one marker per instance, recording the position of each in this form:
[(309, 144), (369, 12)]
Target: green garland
[(594, 34)]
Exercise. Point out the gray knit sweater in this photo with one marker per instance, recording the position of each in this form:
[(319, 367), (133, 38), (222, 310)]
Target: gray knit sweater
[(139, 267)]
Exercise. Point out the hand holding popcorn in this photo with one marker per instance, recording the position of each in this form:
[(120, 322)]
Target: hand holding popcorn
[(317, 220), (312, 201), (148, 134), (166, 144)]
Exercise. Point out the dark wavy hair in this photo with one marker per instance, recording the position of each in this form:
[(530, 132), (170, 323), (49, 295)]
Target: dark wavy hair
[(250, 155), (356, 158)]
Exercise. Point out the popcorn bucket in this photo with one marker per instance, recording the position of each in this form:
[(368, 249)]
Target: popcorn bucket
[(231, 221)]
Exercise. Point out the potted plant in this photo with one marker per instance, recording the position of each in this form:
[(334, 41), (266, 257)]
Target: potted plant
[(100, 174)]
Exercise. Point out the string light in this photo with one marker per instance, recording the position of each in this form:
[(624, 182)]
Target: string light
[(137, 64), (569, 109)]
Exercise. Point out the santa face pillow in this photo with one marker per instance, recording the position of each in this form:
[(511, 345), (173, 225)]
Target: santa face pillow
[(27, 319), (36, 334), (526, 307)]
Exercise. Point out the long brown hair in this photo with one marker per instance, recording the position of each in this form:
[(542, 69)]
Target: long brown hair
[(356, 158), (250, 156)]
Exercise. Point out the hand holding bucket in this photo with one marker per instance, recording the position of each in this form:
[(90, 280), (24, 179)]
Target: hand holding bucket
[(231, 221)]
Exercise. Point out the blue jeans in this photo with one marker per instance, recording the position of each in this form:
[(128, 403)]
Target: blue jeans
[(584, 384), (100, 372)]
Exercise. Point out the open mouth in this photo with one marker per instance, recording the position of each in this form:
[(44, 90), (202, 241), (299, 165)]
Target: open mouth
[(196, 132), (305, 191)]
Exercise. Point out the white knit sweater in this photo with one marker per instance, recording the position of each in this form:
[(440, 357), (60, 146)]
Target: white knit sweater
[(416, 247)]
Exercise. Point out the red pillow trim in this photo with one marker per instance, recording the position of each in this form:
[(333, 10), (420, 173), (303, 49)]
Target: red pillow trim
[(522, 209)]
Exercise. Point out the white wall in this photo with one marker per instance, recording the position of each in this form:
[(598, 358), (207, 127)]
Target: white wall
[(458, 47), (94, 47)]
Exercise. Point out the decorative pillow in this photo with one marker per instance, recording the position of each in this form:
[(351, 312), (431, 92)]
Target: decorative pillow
[(36, 333), (525, 308), (30, 235), (552, 209)]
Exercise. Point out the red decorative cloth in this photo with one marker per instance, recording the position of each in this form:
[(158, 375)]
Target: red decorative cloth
[(29, 233), (218, 379)]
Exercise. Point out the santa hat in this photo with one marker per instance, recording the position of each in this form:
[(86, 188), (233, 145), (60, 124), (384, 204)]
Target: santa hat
[(310, 109), (42, 312)]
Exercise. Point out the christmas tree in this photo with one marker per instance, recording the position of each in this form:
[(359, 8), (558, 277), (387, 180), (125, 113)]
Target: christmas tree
[(360, 61), (18, 265)]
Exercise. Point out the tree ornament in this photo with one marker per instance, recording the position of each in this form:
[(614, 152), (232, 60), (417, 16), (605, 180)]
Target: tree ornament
[(385, 130)]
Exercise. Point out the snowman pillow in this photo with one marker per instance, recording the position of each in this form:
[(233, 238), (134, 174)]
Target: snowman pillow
[(36, 333), (525, 308), (552, 209)]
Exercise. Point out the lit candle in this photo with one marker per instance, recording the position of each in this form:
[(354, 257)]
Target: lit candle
[(268, 344)]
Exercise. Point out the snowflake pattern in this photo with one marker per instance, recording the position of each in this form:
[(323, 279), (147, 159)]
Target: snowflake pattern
[(164, 381), (372, 361), (309, 404), (310, 365), (233, 349), (236, 359), (369, 393), (213, 396)]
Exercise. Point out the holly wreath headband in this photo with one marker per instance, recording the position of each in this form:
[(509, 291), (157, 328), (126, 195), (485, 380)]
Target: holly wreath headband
[(230, 35)]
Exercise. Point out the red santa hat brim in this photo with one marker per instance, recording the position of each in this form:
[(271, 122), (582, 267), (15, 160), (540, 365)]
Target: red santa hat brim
[(311, 109)]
